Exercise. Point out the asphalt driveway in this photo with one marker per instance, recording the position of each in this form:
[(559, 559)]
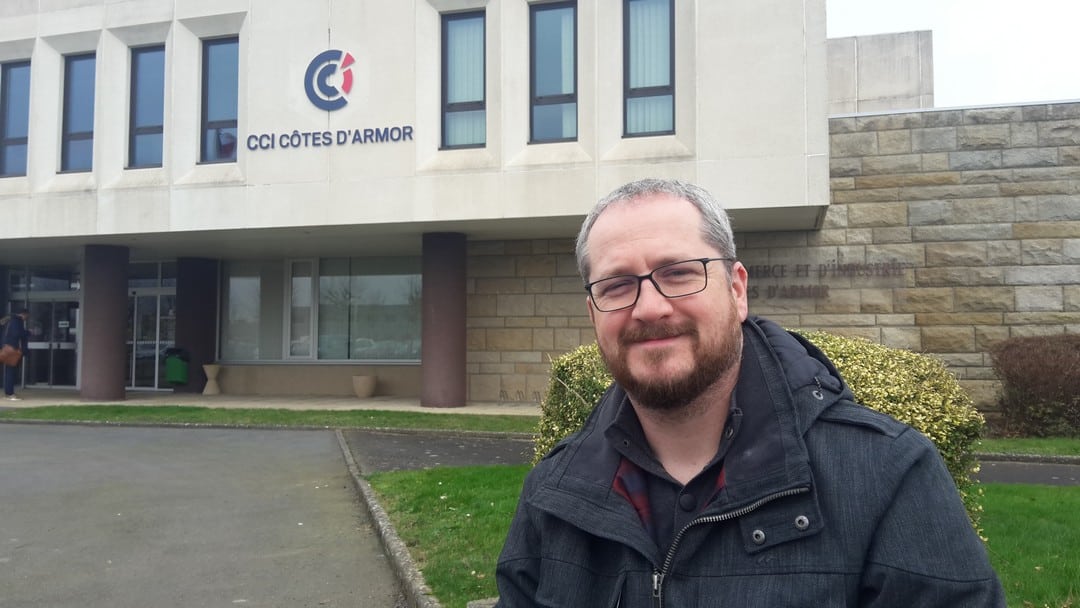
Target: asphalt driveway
[(165, 517)]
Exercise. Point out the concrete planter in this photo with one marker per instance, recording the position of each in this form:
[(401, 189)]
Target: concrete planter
[(363, 386)]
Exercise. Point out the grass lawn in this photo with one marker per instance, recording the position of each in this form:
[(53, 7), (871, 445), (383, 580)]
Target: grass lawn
[(455, 519), (1035, 542), (275, 417), (1047, 446)]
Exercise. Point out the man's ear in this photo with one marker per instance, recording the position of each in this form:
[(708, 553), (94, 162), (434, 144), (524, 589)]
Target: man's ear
[(739, 280), (592, 311)]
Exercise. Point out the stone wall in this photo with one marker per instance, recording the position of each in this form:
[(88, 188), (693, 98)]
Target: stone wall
[(948, 230), (525, 306)]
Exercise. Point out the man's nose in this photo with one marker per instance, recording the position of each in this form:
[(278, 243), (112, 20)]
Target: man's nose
[(651, 303)]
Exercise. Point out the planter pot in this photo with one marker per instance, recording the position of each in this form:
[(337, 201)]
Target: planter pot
[(212, 387), (363, 386)]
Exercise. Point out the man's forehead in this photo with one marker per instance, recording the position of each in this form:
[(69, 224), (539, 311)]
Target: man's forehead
[(638, 234)]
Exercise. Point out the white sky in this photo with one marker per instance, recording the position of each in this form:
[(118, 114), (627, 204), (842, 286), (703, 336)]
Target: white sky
[(985, 51)]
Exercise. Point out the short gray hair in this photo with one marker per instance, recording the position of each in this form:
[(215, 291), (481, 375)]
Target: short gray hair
[(715, 225)]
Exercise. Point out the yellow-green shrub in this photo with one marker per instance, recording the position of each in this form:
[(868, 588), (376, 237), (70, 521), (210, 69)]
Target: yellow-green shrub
[(912, 388)]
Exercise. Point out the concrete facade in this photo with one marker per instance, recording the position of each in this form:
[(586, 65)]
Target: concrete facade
[(379, 197), (881, 73), (370, 181)]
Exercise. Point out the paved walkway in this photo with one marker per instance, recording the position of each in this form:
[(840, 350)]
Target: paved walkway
[(97, 516)]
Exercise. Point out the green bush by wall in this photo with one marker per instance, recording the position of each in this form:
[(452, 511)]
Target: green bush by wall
[(912, 388)]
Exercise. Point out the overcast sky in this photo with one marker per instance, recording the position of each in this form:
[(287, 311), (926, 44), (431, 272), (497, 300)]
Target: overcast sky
[(985, 51)]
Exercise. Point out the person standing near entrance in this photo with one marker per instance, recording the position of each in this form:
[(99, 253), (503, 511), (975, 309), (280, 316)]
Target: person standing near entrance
[(15, 335)]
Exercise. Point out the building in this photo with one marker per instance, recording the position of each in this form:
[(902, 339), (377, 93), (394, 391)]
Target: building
[(306, 191)]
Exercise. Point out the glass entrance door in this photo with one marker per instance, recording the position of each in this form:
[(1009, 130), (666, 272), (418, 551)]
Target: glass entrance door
[(151, 330), (53, 344)]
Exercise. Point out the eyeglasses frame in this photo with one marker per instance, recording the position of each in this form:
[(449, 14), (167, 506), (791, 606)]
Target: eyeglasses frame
[(649, 275)]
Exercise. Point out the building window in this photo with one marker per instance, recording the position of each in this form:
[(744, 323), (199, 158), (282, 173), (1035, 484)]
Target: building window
[(361, 309), (463, 107), (147, 120), (77, 139), (649, 67), (14, 117), (252, 310), (220, 88), (369, 309), (301, 307), (552, 30)]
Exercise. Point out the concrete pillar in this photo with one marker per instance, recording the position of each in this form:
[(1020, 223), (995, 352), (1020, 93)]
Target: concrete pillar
[(442, 357), (196, 317), (104, 322)]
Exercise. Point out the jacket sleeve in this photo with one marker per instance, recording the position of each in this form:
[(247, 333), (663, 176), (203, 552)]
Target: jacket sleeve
[(925, 552), (517, 572)]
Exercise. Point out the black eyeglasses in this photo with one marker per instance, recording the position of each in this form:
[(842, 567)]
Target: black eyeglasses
[(673, 280)]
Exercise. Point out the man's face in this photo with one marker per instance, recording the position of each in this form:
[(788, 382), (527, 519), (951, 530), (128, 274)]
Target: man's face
[(665, 351)]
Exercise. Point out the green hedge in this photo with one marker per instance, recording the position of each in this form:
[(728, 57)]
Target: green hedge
[(912, 388)]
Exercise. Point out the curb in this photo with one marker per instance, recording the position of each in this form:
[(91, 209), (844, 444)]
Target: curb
[(276, 427), (1001, 457), (417, 593)]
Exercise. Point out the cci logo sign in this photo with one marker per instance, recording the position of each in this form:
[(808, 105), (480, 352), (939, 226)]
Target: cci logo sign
[(323, 89)]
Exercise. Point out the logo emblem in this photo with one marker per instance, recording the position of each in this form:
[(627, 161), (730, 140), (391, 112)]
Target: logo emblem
[(324, 94)]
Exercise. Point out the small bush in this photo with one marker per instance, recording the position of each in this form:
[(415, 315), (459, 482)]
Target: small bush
[(578, 379), (912, 388), (1040, 379)]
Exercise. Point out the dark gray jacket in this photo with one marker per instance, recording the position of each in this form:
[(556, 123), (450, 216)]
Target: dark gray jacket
[(825, 503)]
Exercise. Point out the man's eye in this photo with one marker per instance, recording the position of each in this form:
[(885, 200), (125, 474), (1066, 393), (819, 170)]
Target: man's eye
[(679, 273), (615, 287)]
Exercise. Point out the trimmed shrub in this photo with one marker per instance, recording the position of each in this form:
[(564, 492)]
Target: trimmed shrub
[(578, 379), (912, 388), (1040, 377)]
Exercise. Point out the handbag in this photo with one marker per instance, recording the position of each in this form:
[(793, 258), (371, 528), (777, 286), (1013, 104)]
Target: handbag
[(10, 356)]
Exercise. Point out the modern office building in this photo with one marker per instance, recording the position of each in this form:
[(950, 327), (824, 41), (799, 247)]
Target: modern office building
[(305, 191)]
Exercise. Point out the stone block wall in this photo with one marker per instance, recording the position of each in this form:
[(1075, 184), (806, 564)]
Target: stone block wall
[(948, 230), (525, 305)]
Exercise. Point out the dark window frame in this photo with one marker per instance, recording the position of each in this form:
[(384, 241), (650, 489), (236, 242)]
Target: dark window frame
[(204, 123), (133, 130), (655, 91), (5, 98), (67, 136), (464, 106), (538, 100)]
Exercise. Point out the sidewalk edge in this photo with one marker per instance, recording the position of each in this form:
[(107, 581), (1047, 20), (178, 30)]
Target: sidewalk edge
[(416, 591), (1041, 459)]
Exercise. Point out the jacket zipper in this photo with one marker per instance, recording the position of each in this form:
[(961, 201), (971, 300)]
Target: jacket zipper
[(659, 575)]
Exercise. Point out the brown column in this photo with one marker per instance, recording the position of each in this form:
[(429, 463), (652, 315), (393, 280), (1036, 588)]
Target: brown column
[(196, 317), (104, 322), (442, 356)]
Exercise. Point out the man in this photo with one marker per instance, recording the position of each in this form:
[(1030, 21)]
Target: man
[(728, 465), (15, 335)]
